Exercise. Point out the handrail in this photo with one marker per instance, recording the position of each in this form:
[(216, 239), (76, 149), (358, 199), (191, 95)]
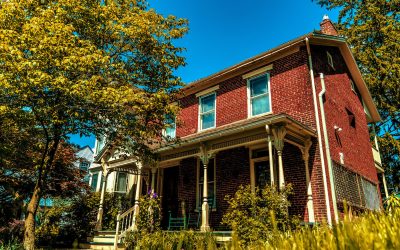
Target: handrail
[(125, 223)]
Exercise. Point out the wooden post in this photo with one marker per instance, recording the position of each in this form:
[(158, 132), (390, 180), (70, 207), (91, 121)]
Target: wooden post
[(99, 222), (270, 156), (205, 157), (279, 134), (137, 196), (116, 239), (306, 155)]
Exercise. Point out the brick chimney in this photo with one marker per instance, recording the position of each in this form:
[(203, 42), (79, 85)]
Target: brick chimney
[(327, 27)]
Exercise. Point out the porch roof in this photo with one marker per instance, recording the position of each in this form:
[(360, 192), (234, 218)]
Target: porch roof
[(297, 128)]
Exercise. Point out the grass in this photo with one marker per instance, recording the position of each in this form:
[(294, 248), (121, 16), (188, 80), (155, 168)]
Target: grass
[(373, 230)]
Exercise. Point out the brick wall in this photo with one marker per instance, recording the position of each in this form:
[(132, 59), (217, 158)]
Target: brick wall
[(233, 170), (290, 94), (353, 142)]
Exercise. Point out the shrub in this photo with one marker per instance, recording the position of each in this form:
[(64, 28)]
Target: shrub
[(75, 218), (188, 240), (392, 202), (147, 222), (256, 216), (11, 234)]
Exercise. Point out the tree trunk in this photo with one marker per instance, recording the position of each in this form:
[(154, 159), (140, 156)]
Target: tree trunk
[(29, 235)]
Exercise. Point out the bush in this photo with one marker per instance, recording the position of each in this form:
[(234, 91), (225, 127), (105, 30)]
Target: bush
[(11, 234), (75, 219), (257, 216), (188, 240), (147, 222)]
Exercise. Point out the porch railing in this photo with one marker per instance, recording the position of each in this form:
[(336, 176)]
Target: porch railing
[(125, 223)]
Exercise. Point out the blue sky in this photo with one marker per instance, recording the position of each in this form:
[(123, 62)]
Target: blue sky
[(223, 33)]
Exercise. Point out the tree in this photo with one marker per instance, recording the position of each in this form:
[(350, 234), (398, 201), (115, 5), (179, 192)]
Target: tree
[(372, 29), (86, 67)]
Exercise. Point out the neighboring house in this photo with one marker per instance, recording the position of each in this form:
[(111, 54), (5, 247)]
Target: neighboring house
[(85, 158), (298, 114)]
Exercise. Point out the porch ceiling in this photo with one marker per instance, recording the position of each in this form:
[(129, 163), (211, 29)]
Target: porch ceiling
[(245, 132)]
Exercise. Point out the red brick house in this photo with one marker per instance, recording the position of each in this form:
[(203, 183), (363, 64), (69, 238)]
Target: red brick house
[(298, 113)]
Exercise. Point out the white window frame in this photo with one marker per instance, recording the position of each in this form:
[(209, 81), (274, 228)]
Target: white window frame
[(164, 132), (97, 175), (200, 113), (116, 183), (249, 98), (330, 59), (199, 200)]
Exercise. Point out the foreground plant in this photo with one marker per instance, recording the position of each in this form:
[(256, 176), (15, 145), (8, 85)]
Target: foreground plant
[(257, 215)]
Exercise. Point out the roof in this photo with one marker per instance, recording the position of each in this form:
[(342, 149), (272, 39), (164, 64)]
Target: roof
[(242, 126), (85, 153), (315, 38)]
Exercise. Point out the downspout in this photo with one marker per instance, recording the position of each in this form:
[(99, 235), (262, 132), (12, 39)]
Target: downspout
[(327, 150), (328, 207)]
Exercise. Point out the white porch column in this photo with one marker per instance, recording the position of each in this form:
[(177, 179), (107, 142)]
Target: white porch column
[(384, 185), (153, 178), (270, 156), (306, 155), (279, 133), (99, 222), (205, 209), (137, 195)]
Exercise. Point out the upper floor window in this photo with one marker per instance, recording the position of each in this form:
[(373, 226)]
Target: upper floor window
[(259, 95), (207, 111), (84, 166), (330, 60), (101, 142), (170, 130)]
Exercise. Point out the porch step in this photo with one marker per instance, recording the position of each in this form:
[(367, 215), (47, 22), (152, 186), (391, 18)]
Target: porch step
[(102, 240), (100, 245)]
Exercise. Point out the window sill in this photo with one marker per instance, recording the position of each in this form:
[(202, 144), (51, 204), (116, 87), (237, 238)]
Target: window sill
[(200, 131), (254, 116)]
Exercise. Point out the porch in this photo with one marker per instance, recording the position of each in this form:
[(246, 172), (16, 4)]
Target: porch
[(193, 177)]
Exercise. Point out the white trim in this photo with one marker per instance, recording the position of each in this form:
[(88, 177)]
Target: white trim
[(257, 72), (200, 199), (249, 106), (252, 169), (199, 123), (207, 91)]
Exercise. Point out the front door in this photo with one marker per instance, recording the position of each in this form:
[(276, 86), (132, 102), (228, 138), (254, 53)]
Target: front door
[(262, 173), (169, 202)]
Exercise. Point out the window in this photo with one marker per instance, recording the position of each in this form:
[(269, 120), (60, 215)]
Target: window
[(211, 184), (259, 96), (170, 130), (207, 111), (100, 143), (120, 184), (95, 178), (84, 166), (330, 60), (352, 118)]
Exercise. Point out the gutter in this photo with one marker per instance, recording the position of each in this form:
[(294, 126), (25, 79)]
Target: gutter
[(327, 150), (328, 207)]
